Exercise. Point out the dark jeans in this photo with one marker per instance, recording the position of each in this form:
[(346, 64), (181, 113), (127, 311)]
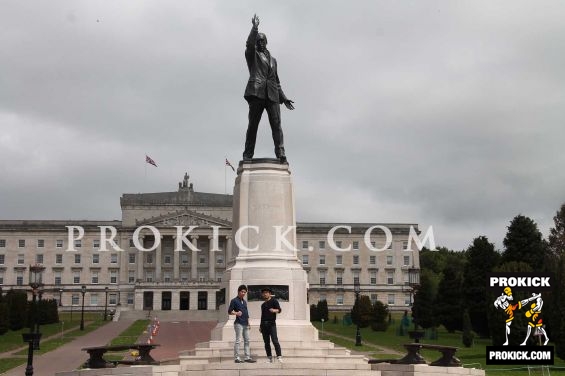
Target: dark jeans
[(256, 108), (269, 332)]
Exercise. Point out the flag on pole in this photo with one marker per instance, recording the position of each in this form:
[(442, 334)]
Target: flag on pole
[(150, 161), (229, 164)]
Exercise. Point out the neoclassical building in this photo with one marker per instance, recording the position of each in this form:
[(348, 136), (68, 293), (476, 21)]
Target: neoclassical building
[(165, 271)]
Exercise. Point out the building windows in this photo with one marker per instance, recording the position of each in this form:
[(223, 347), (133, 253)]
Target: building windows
[(113, 276), (2, 259), (220, 259), (76, 277), (167, 277), (93, 299), (96, 243), (390, 299), (322, 297), (21, 243), (322, 259), (167, 259), (202, 260), (338, 243), (322, 277), (391, 245), (390, 278), (373, 278), (338, 259), (96, 258), (78, 243), (58, 278), (114, 258), (131, 258), (19, 278), (406, 260), (322, 244), (407, 300), (355, 259), (339, 277), (405, 277), (405, 245), (59, 243), (77, 259), (356, 278), (39, 258), (305, 244), (202, 277), (374, 298), (339, 299), (184, 277), (355, 245), (149, 258), (389, 260), (94, 277), (21, 259), (75, 299), (112, 299), (184, 259), (130, 298), (372, 260), (149, 276), (2, 243), (1, 277), (40, 243), (131, 276), (131, 244), (58, 258)]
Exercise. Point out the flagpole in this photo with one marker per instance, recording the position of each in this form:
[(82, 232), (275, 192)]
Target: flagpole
[(225, 176), (145, 173)]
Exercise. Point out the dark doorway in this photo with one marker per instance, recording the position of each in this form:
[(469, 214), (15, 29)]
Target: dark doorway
[(184, 300), (148, 300), (202, 300), (166, 300)]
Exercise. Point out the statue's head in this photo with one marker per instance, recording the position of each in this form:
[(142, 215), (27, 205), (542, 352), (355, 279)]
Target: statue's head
[(508, 291), (261, 42)]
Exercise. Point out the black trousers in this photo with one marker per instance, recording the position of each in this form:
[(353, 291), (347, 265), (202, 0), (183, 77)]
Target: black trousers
[(269, 332), (256, 108)]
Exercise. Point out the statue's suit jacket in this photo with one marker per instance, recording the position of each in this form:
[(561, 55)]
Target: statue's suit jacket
[(263, 78)]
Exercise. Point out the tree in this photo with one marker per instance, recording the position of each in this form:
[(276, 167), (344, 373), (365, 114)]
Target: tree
[(361, 313), (380, 317), (468, 335), (448, 299), (556, 299), (17, 309), (524, 242), (423, 311), (557, 233), (482, 258), (314, 313), (323, 312)]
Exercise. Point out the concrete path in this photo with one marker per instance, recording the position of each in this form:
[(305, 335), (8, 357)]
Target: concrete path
[(69, 356)]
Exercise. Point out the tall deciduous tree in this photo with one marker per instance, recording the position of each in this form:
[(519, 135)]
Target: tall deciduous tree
[(524, 243), (557, 233), (481, 259), (448, 298), (556, 299)]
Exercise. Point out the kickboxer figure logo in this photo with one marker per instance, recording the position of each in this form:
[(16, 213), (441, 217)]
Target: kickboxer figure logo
[(535, 320), (504, 302)]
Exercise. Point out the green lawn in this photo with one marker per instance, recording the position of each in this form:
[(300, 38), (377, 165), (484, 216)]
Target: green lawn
[(472, 357), (9, 363), (131, 334)]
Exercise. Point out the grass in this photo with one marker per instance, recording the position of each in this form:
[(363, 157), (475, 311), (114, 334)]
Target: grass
[(131, 334), (9, 363), (474, 355)]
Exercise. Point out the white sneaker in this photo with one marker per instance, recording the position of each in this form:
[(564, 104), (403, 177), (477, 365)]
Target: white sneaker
[(269, 360), (280, 359)]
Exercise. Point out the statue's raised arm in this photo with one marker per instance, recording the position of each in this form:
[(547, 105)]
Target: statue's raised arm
[(263, 92)]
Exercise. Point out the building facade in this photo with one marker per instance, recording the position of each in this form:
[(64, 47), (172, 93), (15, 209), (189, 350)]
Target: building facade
[(159, 267)]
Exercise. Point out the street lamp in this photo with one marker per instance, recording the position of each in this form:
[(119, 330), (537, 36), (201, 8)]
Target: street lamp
[(83, 291), (357, 290), (35, 281), (60, 297), (106, 304), (40, 296)]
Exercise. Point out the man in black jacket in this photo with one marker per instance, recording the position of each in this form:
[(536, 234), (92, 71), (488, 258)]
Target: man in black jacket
[(269, 311), (263, 92)]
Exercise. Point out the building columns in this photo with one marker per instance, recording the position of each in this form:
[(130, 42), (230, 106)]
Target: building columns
[(211, 259), (194, 259)]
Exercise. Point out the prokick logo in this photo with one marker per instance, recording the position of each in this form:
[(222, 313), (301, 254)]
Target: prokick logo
[(530, 306)]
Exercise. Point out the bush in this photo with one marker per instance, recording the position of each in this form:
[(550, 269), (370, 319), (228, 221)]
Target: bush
[(323, 312), (17, 309), (381, 317), (314, 316), (362, 312)]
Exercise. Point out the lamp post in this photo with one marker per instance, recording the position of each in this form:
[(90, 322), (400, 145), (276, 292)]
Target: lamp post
[(357, 290), (36, 342), (106, 304), (60, 297), (35, 281), (82, 291)]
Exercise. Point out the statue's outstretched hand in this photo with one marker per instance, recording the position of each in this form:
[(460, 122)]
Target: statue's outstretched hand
[(255, 21), (288, 103)]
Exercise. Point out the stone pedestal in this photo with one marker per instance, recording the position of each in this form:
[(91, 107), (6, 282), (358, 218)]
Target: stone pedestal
[(265, 249)]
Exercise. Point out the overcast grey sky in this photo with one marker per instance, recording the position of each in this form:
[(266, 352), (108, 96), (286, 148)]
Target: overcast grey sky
[(442, 113)]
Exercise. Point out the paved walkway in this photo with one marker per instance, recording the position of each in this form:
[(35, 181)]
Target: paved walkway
[(69, 356)]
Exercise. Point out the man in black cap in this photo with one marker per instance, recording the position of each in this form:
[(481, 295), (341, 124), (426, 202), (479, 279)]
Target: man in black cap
[(269, 310), (263, 92)]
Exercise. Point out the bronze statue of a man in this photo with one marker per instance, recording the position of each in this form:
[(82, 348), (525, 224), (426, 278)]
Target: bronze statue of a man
[(263, 92)]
